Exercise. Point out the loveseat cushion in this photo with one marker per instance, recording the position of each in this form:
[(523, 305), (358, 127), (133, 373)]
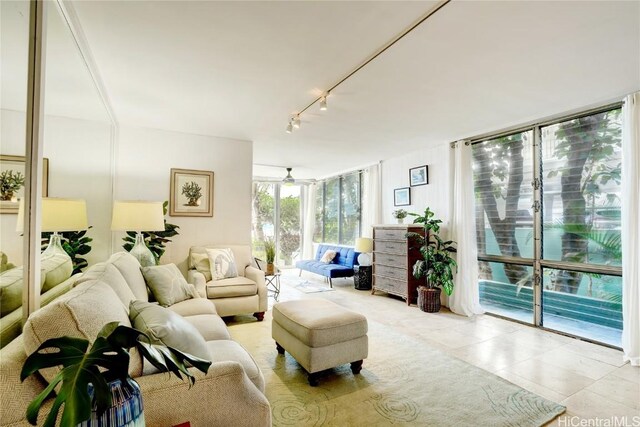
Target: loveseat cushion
[(129, 267), (80, 313), (227, 350), (234, 287), (168, 285), (163, 326), (210, 326), (109, 274), (193, 307), (58, 267)]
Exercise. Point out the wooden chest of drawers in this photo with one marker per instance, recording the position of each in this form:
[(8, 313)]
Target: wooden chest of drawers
[(393, 259)]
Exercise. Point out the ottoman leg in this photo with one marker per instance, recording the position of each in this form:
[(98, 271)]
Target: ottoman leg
[(356, 367), (279, 348), (313, 379)]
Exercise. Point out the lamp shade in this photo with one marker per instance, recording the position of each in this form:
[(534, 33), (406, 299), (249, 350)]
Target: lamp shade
[(364, 245), (137, 216), (58, 215)]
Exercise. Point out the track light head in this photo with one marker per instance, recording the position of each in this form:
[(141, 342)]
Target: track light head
[(296, 122), (323, 103), (289, 128)]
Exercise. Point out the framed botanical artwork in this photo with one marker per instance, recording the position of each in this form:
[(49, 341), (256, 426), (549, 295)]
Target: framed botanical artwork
[(12, 178), (402, 196), (419, 176), (191, 193)]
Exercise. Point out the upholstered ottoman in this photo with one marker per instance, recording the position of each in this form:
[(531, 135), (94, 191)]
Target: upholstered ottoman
[(320, 335)]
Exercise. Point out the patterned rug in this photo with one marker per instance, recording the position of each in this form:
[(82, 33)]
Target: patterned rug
[(403, 382), (311, 288)]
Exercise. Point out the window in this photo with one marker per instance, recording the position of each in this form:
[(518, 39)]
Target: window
[(338, 203), (548, 223)]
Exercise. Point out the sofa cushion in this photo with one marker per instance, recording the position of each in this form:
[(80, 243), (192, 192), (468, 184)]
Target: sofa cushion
[(167, 284), (80, 313), (193, 307), (129, 267), (58, 268), (227, 350), (163, 326), (318, 322), (110, 275), (210, 326), (201, 263), (235, 287), (222, 264)]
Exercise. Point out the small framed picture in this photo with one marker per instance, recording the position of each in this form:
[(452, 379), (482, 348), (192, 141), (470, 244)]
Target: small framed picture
[(402, 196), (191, 193), (419, 176)]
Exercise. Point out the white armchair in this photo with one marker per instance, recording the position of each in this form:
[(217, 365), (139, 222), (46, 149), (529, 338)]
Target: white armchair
[(244, 294)]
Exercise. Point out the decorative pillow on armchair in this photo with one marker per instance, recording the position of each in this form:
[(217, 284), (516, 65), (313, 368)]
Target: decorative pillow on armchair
[(222, 263), (201, 263), (328, 256), (167, 284)]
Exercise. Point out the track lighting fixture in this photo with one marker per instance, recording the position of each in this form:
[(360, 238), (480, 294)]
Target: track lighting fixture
[(296, 122), (289, 127), (323, 103)]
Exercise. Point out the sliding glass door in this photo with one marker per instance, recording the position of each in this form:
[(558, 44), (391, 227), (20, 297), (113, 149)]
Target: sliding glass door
[(548, 223)]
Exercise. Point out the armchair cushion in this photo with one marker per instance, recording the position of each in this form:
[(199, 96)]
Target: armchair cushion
[(234, 287)]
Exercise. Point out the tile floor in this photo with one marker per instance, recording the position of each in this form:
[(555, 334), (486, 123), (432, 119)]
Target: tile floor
[(590, 380)]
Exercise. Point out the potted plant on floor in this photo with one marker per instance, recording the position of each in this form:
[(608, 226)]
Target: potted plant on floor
[(270, 254), (437, 265), (94, 386)]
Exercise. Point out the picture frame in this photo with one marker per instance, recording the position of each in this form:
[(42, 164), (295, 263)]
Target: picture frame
[(17, 164), (419, 176), (191, 193), (402, 196)]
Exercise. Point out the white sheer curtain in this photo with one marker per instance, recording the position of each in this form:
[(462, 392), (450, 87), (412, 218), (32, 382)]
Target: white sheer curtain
[(371, 209), (631, 229), (465, 299), (309, 221)]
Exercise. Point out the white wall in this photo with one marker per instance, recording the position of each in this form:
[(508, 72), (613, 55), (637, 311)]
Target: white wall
[(79, 153), (143, 162), (436, 194)]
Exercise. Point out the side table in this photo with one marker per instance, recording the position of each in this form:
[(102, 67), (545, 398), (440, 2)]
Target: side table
[(273, 284), (362, 277)]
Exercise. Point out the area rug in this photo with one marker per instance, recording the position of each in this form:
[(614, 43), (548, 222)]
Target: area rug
[(403, 382), (312, 288)]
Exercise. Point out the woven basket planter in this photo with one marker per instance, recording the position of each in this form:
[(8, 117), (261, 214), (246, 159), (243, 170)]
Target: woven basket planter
[(429, 299)]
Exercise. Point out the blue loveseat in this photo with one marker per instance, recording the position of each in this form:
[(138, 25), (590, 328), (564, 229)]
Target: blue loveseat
[(341, 266)]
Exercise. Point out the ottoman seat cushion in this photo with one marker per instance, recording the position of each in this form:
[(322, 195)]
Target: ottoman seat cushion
[(318, 323)]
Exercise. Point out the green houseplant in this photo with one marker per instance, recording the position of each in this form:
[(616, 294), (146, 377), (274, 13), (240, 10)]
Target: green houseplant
[(96, 367), (400, 215), (270, 254), (156, 241), (437, 264)]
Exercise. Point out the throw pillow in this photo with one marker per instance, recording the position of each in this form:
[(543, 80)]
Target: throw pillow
[(328, 256), (167, 284), (222, 263), (163, 326), (201, 263)]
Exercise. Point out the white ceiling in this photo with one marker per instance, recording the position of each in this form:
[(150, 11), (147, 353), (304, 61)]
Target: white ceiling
[(240, 69)]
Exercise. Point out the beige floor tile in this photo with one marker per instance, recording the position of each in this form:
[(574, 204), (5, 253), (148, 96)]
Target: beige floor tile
[(476, 329), (628, 372), (578, 363), (532, 338), (618, 390), (531, 386), (493, 355), (589, 405), (556, 379), (596, 352), (450, 337)]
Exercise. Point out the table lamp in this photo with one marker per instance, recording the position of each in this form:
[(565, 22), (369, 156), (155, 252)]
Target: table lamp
[(57, 215), (138, 216), (364, 245)]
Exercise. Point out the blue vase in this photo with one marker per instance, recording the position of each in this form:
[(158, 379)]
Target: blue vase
[(126, 409)]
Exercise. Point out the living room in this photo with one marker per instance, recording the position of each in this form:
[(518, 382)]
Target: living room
[(475, 110)]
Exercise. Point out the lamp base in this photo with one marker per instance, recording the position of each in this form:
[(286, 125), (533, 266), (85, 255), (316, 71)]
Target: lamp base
[(364, 259), (142, 253), (54, 248)]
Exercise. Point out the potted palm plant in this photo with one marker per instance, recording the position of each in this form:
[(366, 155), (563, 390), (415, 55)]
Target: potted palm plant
[(94, 383), (270, 254), (437, 264)]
